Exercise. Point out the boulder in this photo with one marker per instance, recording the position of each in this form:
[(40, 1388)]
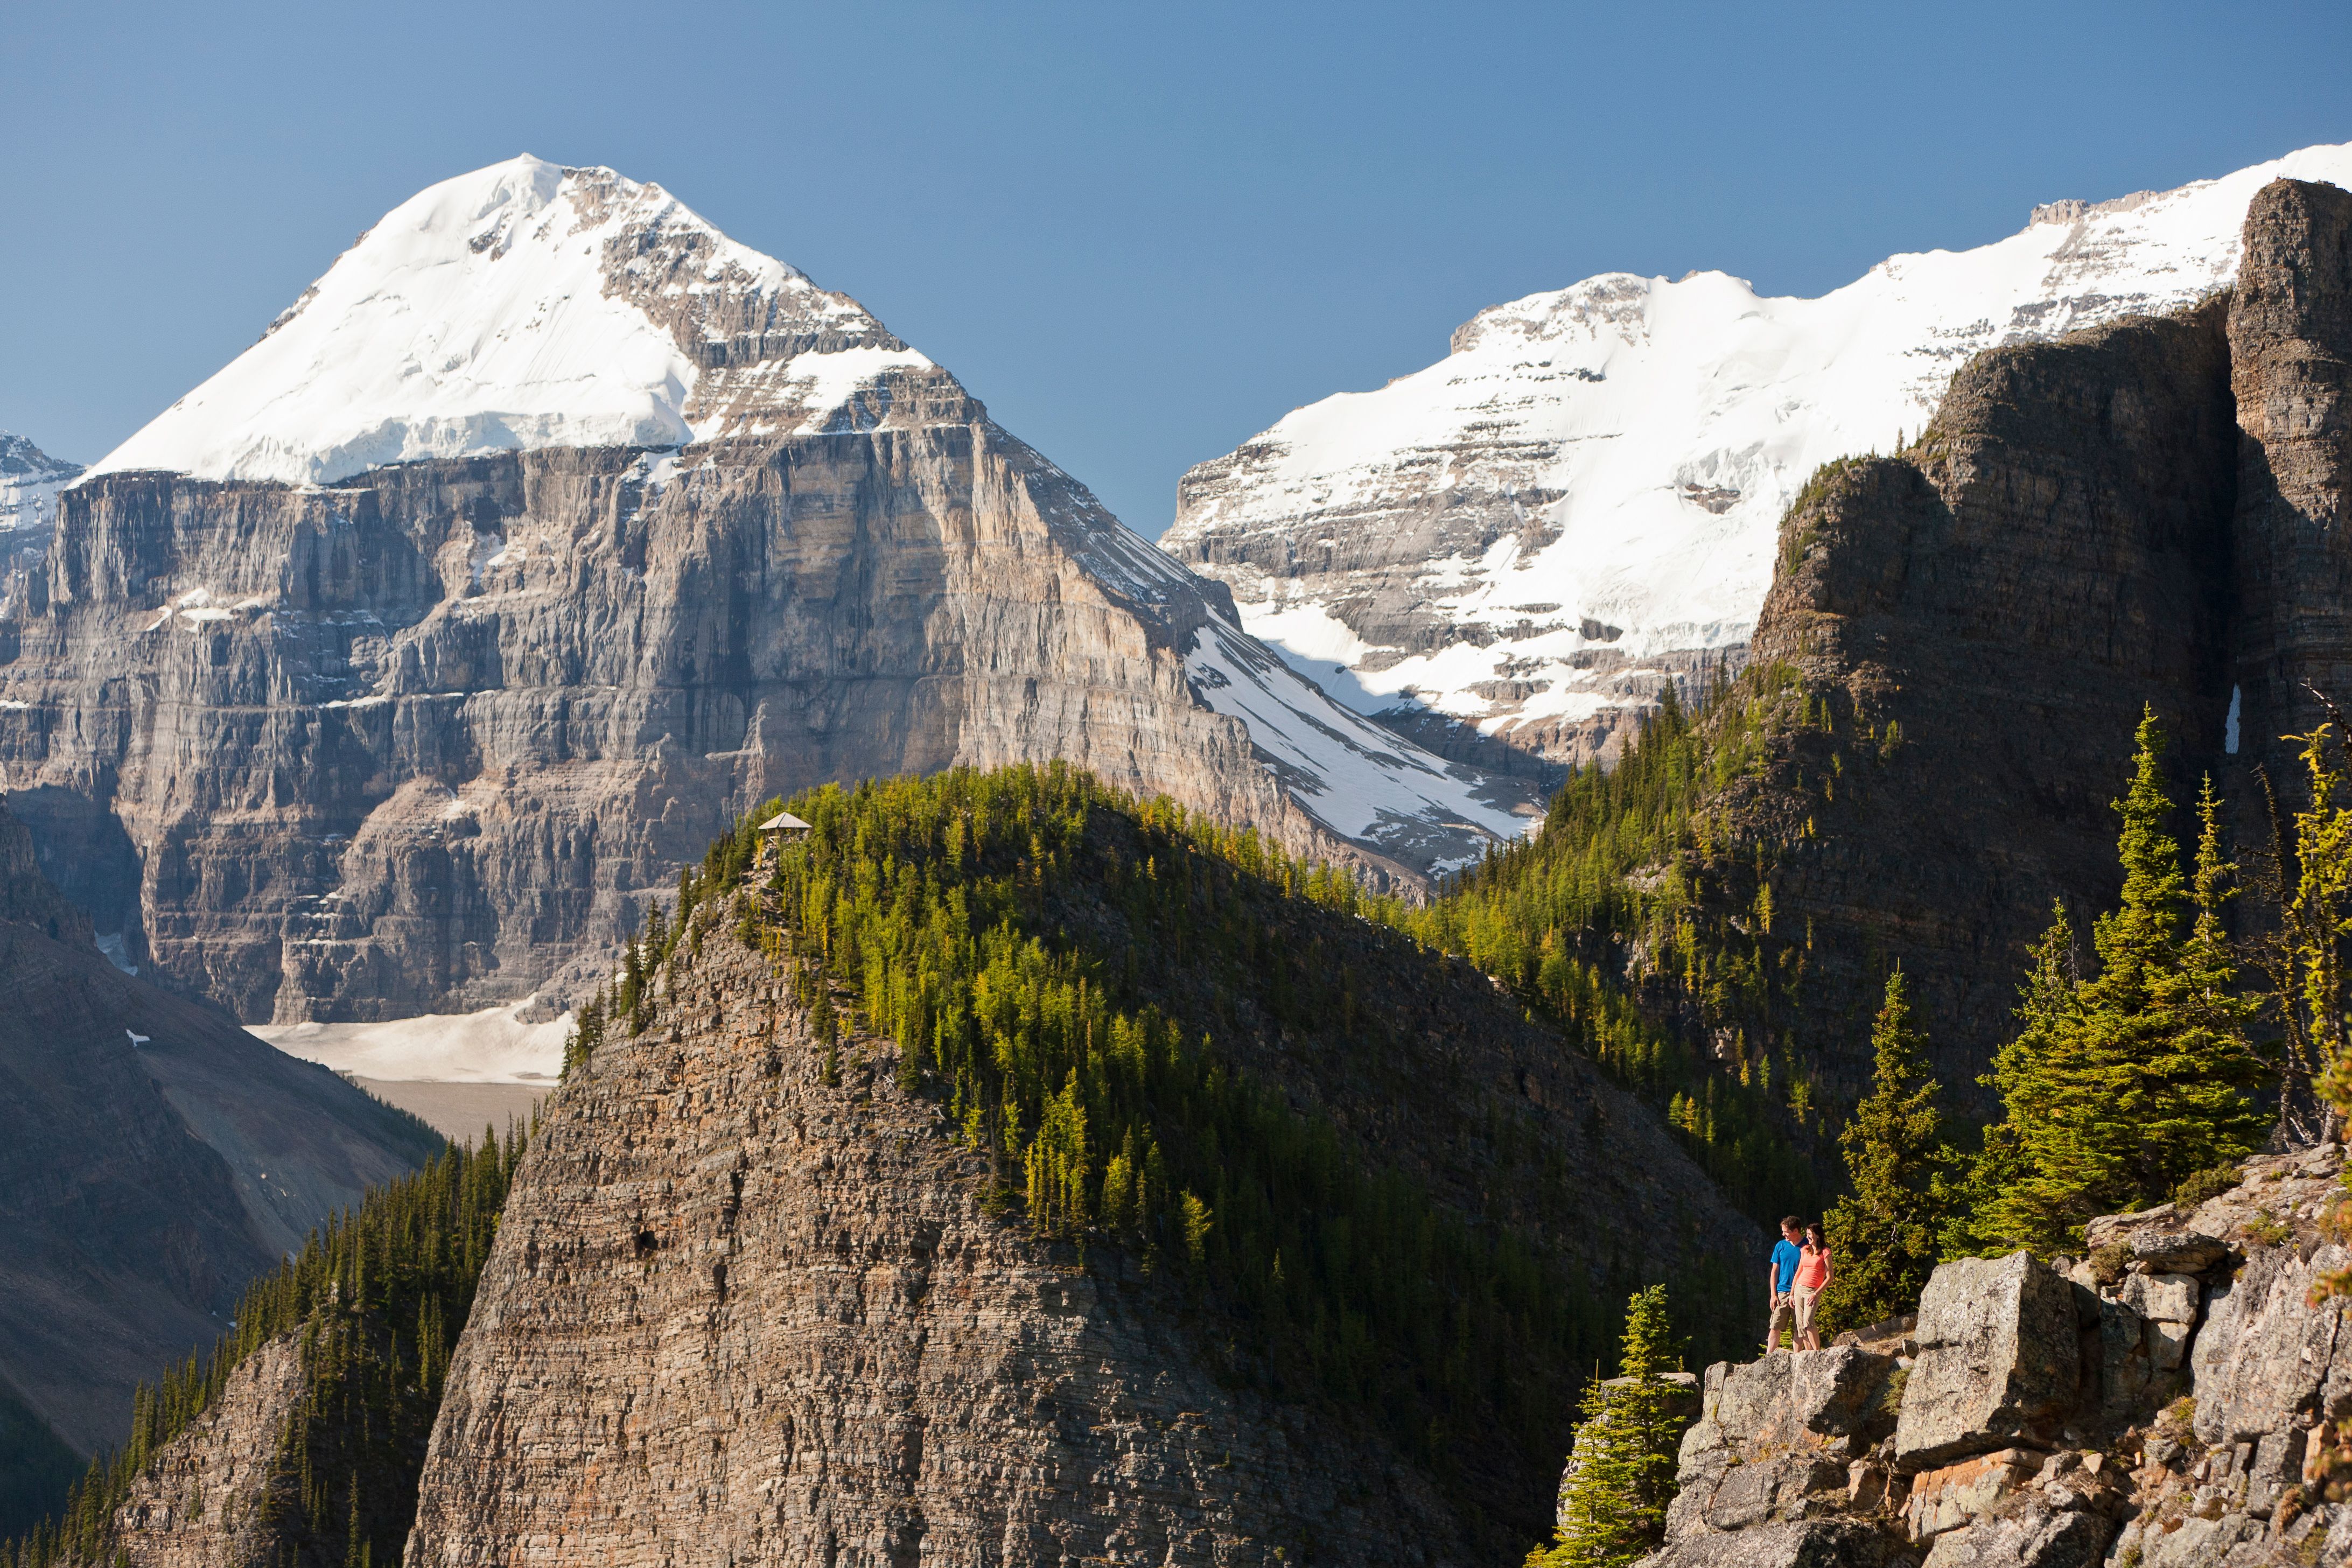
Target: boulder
[(1885, 1332), (1830, 1401), (1774, 1437), (2170, 1251), (1837, 1398), (2126, 1375), (2033, 1536), (1954, 1496), (1809, 1543), (2265, 1354), (1789, 1486), (2110, 1229), (2168, 1303), (1999, 1361), (2191, 1542)]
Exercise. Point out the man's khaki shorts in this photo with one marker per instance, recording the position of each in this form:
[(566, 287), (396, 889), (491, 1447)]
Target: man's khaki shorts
[(1784, 1314)]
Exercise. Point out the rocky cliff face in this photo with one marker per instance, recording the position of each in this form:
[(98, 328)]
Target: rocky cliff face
[(1986, 615), (2290, 345), (1534, 533), (206, 1501), (329, 738), (2129, 516), (2173, 1402), (736, 1310)]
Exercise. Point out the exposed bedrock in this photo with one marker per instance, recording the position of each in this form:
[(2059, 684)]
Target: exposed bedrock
[(2136, 515), (2182, 1408), (433, 737), (2007, 595), (736, 1312)]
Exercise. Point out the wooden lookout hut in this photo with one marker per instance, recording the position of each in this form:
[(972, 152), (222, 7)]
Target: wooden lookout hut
[(780, 831)]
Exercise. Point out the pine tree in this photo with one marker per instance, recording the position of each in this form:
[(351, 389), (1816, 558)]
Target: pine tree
[(2120, 1085), (1885, 1232), (1621, 1473)]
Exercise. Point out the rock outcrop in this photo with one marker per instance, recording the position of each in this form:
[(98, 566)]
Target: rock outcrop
[(2120, 1413), (736, 1310), (348, 742), (205, 1500), (1996, 1361)]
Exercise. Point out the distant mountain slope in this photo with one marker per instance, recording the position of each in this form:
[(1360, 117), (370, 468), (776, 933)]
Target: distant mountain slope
[(1937, 713), (29, 482), (398, 667), (1581, 499), (153, 1157)]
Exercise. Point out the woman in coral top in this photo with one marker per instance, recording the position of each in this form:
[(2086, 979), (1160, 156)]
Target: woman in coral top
[(1813, 1272)]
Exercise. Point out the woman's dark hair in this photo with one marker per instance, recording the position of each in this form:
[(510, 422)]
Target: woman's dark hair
[(1817, 1229)]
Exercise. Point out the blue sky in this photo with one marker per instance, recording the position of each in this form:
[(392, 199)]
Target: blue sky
[(1139, 234)]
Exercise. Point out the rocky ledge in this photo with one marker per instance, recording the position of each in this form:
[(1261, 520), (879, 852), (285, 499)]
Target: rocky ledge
[(2177, 1400)]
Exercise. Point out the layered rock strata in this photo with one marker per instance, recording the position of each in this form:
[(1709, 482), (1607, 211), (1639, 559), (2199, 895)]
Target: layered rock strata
[(737, 1311), (415, 705), (205, 1500)]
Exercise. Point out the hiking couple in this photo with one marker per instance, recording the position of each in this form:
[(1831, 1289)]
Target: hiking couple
[(1800, 1270)]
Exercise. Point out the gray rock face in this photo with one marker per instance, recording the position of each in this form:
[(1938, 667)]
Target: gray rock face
[(1997, 1360), (202, 1503), (1809, 1543), (429, 735), (435, 737), (2034, 1536), (2265, 1355), (1774, 1448), (2291, 372), (734, 1314), (2177, 1251)]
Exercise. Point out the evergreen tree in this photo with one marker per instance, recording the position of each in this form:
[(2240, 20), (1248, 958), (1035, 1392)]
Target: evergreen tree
[(1622, 1471), (1884, 1234), (2119, 1085)]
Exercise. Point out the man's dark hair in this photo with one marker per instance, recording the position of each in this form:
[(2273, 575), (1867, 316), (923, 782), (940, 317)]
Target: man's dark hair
[(1793, 1222)]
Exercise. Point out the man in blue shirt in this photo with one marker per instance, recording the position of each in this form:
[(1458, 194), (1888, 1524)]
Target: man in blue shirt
[(1781, 1279)]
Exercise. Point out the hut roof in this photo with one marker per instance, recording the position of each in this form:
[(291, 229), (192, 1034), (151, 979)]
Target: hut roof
[(783, 822)]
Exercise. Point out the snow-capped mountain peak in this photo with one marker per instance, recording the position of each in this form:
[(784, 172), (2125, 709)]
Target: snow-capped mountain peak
[(1581, 499), (525, 305), (528, 305)]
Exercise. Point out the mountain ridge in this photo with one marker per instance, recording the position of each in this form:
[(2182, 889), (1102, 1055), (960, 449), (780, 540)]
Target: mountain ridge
[(513, 586), (1514, 547)]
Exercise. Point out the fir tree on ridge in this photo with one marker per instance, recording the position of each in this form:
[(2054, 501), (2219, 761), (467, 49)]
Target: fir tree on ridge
[(1884, 1234), (1622, 1471), (2120, 1084)]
